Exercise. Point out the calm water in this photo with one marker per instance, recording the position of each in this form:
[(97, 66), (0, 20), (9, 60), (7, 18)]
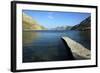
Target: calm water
[(48, 45)]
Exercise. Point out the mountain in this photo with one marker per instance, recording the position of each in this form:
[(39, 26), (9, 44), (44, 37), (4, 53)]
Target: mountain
[(68, 27), (30, 24), (63, 28), (84, 25)]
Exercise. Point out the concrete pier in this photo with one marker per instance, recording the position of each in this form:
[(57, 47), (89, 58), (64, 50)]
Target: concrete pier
[(78, 50)]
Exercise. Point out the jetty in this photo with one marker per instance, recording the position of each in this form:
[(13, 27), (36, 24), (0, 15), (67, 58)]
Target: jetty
[(78, 50)]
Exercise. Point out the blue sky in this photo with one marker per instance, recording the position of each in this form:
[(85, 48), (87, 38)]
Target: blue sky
[(56, 19)]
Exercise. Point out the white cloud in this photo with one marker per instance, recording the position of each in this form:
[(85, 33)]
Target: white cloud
[(50, 15)]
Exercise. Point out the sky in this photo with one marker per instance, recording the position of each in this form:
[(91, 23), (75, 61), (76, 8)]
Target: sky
[(52, 19)]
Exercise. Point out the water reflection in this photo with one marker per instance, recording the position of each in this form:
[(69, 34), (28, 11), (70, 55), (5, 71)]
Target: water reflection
[(48, 46), (83, 37), (29, 37)]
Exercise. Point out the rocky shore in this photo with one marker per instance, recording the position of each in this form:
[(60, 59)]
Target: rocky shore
[(78, 50)]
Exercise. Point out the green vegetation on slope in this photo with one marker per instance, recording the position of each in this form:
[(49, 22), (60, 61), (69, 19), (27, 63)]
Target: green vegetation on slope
[(30, 24)]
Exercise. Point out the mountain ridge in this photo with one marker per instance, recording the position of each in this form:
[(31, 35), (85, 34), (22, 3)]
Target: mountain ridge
[(83, 25), (30, 23)]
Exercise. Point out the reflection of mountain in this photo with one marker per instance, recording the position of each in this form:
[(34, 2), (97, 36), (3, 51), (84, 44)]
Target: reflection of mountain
[(29, 36), (84, 25), (30, 24)]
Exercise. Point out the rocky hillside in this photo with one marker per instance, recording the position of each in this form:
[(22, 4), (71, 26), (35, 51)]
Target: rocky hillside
[(30, 24), (84, 25)]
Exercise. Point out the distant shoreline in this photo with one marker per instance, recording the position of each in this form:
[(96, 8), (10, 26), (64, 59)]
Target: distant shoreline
[(51, 30)]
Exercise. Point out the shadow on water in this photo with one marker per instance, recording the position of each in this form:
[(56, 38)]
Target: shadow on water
[(70, 55), (86, 37)]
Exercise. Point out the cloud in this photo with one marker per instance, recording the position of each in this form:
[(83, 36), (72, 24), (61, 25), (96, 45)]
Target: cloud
[(50, 15)]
